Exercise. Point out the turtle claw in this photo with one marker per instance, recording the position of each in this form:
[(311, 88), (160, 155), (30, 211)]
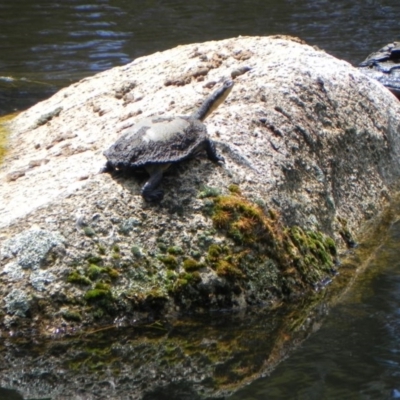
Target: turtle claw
[(149, 191), (220, 159), (154, 196), (212, 152)]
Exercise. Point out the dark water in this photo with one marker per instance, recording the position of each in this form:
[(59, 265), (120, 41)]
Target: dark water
[(356, 353), (46, 45)]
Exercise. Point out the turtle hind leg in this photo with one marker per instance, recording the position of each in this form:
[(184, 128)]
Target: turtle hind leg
[(149, 190), (212, 152)]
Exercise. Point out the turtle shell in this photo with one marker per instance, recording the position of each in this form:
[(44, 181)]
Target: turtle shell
[(157, 140)]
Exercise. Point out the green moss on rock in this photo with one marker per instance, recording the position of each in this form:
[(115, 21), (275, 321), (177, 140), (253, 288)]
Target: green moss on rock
[(169, 261), (248, 247), (214, 252), (73, 316), (209, 192), (162, 247), (76, 277), (175, 250), (4, 133), (191, 265), (93, 272), (93, 259), (101, 249), (135, 250), (186, 279), (228, 270), (111, 272), (234, 189), (303, 257), (101, 291)]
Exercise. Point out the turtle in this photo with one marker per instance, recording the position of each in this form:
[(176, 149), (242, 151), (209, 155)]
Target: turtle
[(155, 143), (384, 66)]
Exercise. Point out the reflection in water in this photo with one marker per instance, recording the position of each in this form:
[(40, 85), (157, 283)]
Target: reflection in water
[(194, 359), (356, 354), (9, 394)]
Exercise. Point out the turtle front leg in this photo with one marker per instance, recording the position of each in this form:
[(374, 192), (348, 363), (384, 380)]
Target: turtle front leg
[(212, 152), (149, 190)]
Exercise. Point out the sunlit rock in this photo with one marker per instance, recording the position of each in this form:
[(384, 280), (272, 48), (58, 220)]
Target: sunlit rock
[(312, 153)]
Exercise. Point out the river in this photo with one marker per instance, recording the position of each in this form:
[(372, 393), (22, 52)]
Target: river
[(356, 353), (46, 45)]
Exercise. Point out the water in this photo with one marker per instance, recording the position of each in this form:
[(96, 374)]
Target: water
[(46, 45), (356, 353)]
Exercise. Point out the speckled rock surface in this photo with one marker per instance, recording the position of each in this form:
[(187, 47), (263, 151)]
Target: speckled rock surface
[(312, 153)]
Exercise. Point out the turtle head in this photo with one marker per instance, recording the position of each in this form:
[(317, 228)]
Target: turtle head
[(214, 100)]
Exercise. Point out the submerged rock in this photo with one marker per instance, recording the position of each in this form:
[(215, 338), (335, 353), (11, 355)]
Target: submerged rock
[(311, 150)]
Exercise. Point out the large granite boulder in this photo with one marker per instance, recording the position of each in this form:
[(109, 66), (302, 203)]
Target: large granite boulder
[(312, 153)]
